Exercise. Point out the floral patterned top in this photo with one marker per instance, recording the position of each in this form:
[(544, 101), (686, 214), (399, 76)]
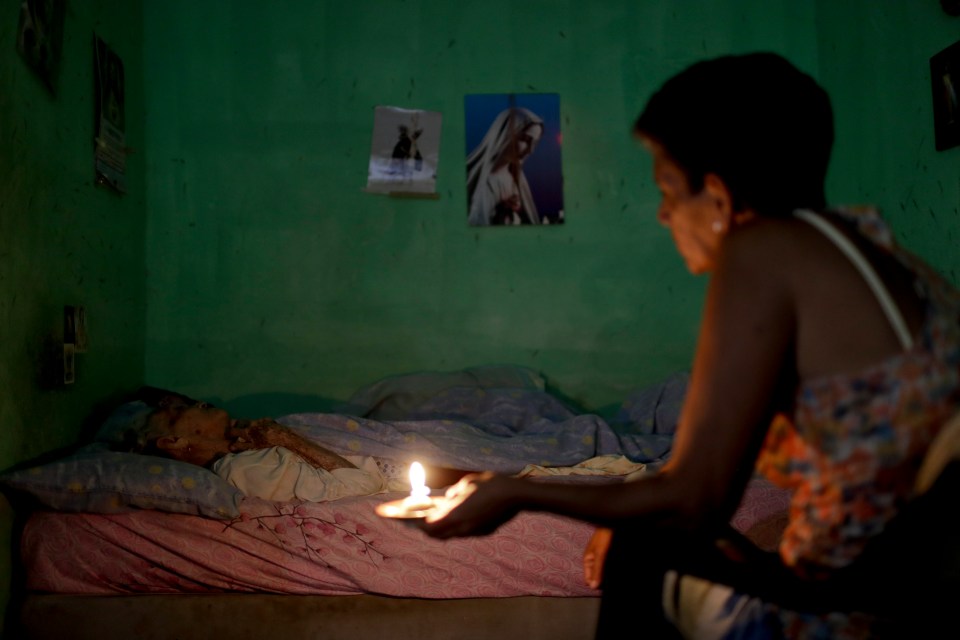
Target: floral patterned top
[(852, 449)]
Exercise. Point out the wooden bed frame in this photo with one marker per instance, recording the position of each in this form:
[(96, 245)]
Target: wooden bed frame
[(255, 616)]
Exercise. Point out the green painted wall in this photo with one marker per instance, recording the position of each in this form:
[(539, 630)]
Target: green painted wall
[(875, 61), (64, 240), (271, 271)]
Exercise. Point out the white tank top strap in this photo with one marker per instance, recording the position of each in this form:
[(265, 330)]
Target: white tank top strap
[(856, 257)]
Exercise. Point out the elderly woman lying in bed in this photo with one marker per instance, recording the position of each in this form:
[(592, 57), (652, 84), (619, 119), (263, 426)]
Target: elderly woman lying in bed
[(263, 458)]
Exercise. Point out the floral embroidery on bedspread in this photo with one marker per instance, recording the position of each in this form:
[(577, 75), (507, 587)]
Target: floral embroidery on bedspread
[(294, 527)]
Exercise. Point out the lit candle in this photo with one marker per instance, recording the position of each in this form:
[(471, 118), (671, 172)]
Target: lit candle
[(417, 504), (419, 497)]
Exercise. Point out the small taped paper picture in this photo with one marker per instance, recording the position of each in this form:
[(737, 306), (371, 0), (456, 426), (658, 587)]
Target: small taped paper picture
[(404, 152)]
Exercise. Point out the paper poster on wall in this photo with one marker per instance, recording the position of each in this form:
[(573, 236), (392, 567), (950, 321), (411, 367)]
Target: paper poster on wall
[(404, 152), (514, 172), (110, 148), (40, 37), (945, 78)]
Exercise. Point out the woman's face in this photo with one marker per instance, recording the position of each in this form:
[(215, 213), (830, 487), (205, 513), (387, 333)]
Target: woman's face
[(527, 141), (691, 217), (198, 434), (521, 145)]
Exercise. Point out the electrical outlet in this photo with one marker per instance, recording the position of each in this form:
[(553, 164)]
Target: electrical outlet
[(69, 370)]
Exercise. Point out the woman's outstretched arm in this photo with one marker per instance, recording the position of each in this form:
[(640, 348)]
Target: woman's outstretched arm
[(742, 364)]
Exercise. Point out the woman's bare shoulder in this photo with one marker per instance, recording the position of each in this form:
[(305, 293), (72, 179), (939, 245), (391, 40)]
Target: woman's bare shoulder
[(762, 237), (840, 325), (772, 253), (787, 248)]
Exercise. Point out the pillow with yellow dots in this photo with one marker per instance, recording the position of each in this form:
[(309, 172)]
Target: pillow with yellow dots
[(97, 481)]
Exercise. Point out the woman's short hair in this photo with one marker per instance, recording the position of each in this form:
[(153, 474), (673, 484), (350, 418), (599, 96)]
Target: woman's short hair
[(140, 432), (754, 120)]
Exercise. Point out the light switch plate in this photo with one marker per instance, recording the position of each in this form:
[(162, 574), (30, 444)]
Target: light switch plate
[(80, 323)]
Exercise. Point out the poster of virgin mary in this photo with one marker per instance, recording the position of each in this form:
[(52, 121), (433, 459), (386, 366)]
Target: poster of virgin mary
[(514, 174)]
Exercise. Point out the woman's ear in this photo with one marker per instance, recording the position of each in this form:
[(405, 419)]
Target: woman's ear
[(719, 195)]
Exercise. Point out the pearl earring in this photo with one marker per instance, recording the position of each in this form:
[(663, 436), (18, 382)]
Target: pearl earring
[(717, 226)]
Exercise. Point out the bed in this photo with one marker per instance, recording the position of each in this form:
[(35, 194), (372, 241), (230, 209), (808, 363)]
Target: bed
[(122, 545)]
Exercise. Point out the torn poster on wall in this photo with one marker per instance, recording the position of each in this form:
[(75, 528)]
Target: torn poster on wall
[(40, 38), (404, 152), (514, 173), (110, 149)]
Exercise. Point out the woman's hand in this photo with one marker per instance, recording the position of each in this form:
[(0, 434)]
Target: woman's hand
[(476, 506), (262, 433), (594, 556)]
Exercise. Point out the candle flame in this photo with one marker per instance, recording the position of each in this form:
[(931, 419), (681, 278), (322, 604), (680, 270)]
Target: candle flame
[(417, 479)]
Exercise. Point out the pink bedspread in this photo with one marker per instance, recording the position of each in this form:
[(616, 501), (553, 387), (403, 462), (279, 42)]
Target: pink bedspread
[(329, 548)]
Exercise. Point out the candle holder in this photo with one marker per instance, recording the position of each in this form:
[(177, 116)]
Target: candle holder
[(417, 506), (414, 507), (405, 509)]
